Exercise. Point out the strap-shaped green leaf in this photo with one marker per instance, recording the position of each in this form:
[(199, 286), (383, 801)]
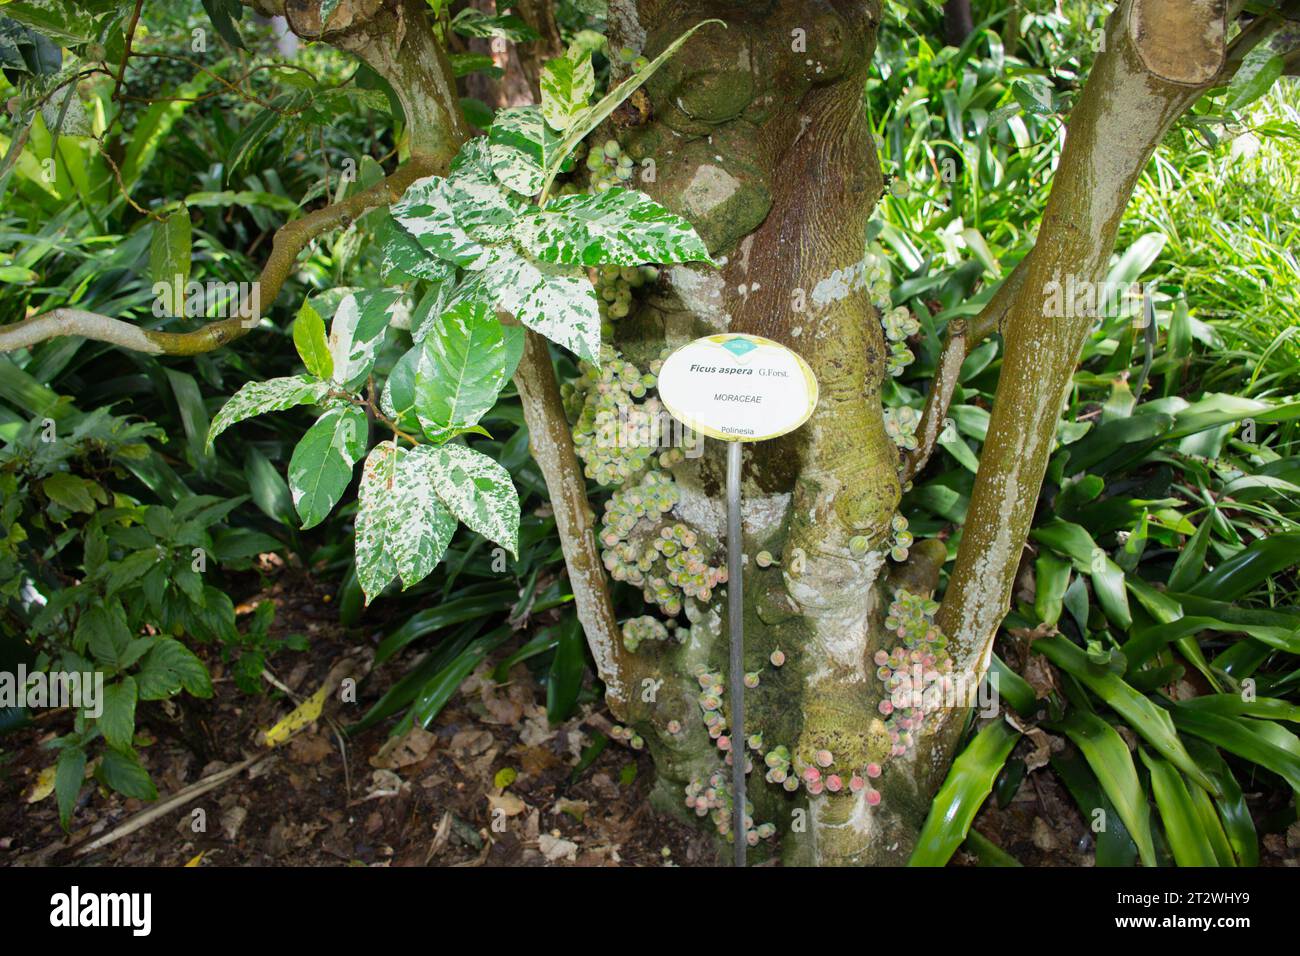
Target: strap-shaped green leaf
[(1109, 758)]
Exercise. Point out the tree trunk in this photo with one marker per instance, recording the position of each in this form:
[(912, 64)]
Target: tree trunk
[(759, 139), (957, 22)]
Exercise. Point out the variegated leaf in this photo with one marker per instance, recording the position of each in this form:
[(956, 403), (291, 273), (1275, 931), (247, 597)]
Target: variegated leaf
[(357, 331), (467, 359), (471, 22), (619, 226), (321, 466), (567, 83), (405, 259), (423, 525), (397, 400), (555, 300), (479, 492), (377, 517), (520, 145), (273, 395), (427, 211), (430, 308), (480, 205)]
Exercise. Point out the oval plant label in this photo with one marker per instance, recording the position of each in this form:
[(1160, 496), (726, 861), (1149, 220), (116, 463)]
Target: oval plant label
[(738, 387)]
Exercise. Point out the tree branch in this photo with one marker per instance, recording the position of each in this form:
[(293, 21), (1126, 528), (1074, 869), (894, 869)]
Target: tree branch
[(551, 443), (1121, 116), (960, 341), (290, 239), (940, 397)]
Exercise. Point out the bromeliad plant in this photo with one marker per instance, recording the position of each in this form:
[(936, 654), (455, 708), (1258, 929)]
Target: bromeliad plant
[(485, 241)]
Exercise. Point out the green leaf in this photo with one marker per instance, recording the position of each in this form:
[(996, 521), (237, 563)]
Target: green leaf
[(1191, 559), (273, 395), (1249, 739), (321, 467), (567, 84), (567, 670), (170, 666), (70, 491), (467, 358), (556, 301), (1109, 758), (68, 774), (1051, 578), (618, 226), (1075, 543), (1259, 70), (1182, 826), (1145, 718), (1243, 571), (968, 784), (479, 492), (122, 772), (170, 250), (268, 488), (1233, 811), (117, 722), (310, 341)]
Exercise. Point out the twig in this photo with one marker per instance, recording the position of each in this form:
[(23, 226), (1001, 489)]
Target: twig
[(164, 807)]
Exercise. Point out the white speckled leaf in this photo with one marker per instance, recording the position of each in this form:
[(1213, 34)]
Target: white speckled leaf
[(423, 526), (481, 206), (619, 226), (357, 331), (555, 300), (520, 145), (479, 492), (273, 395), (321, 466), (467, 359), (427, 211), (376, 520), (567, 84), (405, 259)]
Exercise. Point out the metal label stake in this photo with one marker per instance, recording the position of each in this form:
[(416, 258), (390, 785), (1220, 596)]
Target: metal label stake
[(737, 388)]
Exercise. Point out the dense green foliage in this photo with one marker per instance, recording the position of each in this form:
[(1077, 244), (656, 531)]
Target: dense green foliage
[(1161, 583)]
